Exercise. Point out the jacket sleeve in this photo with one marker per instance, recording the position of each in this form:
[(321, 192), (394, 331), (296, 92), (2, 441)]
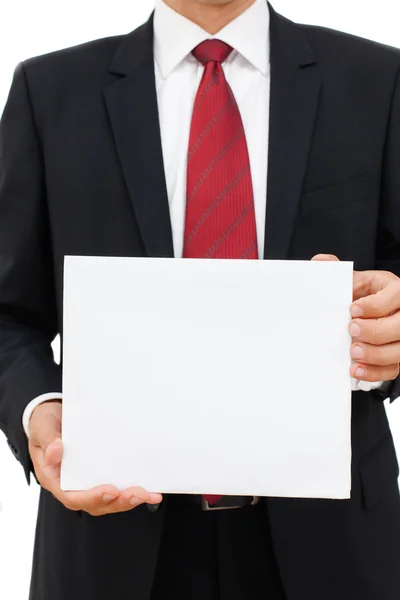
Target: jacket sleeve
[(28, 319), (388, 239)]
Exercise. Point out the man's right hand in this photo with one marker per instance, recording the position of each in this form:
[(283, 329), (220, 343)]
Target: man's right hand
[(46, 450)]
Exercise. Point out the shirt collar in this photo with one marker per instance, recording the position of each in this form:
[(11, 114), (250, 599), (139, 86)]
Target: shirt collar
[(175, 36)]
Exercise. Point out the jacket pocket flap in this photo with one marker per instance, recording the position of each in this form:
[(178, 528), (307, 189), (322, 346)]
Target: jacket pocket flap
[(337, 195)]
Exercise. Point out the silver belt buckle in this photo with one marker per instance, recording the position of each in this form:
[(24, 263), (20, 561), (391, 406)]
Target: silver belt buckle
[(206, 506)]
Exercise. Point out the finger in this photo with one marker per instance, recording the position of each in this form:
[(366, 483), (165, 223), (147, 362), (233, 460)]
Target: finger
[(371, 282), (106, 500), (361, 284), (47, 433), (90, 500), (135, 495), (366, 283), (382, 356), (52, 459), (129, 499), (376, 331), (100, 495), (100, 500), (380, 304), (47, 475), (374, 374), (54, 453), (326, 257)]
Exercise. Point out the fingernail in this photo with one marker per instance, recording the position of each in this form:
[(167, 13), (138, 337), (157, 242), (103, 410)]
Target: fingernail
[(107, 498), (356, 311), (360, 372), (133, 500), (357, 352), (355, 330)]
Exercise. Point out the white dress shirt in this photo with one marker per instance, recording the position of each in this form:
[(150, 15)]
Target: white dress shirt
[(248, 74), (178, 76)]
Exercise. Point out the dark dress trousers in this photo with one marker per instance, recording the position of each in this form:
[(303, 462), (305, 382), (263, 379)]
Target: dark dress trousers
[(220, 555), (81, 172)]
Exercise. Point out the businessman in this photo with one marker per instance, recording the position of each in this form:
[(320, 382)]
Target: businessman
[(218, 129)]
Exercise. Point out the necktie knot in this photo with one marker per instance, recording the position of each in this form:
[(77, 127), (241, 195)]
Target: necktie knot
[(212, 51)]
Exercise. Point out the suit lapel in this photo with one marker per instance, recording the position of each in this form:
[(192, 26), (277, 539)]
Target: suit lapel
[(295, 88), (132, 106)]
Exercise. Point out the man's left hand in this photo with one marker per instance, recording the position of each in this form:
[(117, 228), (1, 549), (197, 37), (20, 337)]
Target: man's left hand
[(375, 325)]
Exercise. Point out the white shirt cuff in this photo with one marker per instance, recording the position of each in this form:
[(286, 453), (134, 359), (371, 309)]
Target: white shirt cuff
[(33, 404), (364, 386)]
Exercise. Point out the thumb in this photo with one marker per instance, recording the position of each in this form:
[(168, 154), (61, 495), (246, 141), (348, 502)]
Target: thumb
[(52, 459), (45, 425), (54, 453), (45, 433), (326, 257)]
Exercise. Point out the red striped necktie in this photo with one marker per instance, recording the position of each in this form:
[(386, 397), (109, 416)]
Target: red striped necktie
[(220, 218)]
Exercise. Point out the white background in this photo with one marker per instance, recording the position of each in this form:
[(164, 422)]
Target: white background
[(30, 28)]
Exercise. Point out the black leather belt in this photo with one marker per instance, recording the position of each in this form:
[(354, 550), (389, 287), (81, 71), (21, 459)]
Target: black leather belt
[(227, 502)]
